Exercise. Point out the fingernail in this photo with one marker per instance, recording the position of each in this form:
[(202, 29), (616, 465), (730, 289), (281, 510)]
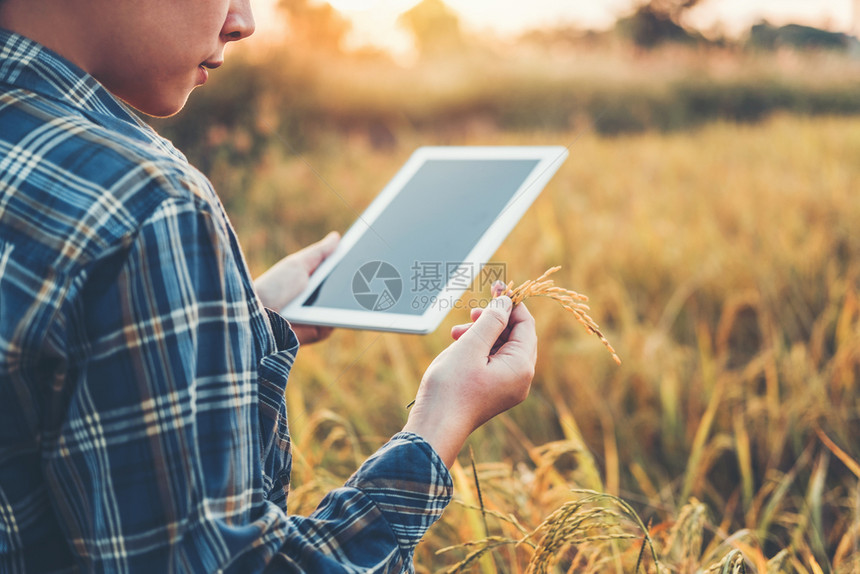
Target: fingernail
[(498, 288)]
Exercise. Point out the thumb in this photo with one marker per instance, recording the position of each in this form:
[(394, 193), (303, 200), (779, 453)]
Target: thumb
[(487, 328)]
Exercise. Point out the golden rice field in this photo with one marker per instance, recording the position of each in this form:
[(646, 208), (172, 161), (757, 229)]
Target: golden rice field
[(723, 266)]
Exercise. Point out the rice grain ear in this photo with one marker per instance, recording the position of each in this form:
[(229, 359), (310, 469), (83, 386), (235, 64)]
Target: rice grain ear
[(572, 301)]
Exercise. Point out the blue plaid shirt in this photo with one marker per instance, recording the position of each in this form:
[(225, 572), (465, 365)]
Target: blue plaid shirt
[(142, 417)]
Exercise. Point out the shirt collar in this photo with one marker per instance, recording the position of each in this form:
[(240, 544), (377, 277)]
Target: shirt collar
[(28, 65)]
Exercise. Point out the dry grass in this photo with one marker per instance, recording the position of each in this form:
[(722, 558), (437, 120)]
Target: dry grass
[(725, 264)]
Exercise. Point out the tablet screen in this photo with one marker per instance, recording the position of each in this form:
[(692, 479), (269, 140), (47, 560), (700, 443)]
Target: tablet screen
[(410, 252)]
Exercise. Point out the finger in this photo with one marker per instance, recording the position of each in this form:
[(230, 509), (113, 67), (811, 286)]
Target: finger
[(315, 253), (490, 324), (458, 330), (521, 339), (307, 334), (475, 313)]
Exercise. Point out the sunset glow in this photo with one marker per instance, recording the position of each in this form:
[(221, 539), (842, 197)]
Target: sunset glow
[(374, 22)]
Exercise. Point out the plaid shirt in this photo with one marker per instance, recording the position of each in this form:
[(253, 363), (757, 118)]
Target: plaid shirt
[(142, 415)]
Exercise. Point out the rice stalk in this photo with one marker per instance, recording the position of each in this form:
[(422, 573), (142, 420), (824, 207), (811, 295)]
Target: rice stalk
[(742, 449), (743, 541), (571, 300), (846, 459), (779, 497), (475, 524), (641, 550), (847, 553), (478, 490), (700, 439), (733, 563), (508, 518), (810, 527), (814, 565), (579, 522), (685, 539), (779, 562), (587, 470), (479, 554)]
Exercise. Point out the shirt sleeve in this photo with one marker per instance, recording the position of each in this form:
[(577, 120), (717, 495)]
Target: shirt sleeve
[(374, 522), (171, 456)]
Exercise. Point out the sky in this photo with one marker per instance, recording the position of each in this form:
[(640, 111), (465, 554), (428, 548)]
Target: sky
[(375, 21)]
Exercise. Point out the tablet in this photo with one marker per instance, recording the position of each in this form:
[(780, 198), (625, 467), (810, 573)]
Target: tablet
[(426, 238)]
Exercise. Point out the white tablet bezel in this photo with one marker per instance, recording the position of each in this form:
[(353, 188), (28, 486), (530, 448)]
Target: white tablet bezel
[(549, 159)]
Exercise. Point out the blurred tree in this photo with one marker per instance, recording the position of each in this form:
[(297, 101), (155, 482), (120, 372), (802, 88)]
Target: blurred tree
[(672, 9), (435, 27), (764, 36), (658, 21), (315, 26)]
